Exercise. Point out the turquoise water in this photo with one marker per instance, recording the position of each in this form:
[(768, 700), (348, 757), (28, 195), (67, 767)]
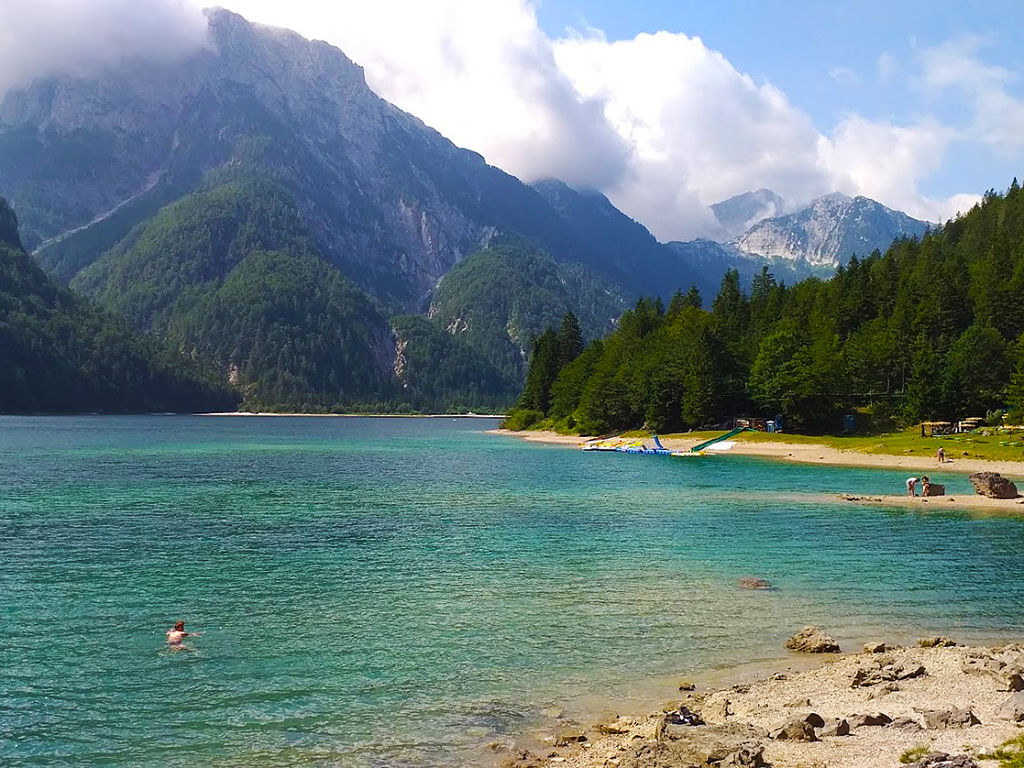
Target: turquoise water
[(398, 592)]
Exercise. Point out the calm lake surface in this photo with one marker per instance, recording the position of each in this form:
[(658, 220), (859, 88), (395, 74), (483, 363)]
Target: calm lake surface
[(399, 592)]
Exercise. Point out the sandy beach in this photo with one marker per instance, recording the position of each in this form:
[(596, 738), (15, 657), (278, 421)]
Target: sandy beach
[(808, 453), (855, 710)]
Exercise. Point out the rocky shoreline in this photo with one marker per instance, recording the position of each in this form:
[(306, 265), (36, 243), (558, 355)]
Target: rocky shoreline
[(936, 705)]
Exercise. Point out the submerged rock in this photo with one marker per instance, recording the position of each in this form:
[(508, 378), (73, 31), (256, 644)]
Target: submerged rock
[(993, 485), (812, 640), (752, 582)]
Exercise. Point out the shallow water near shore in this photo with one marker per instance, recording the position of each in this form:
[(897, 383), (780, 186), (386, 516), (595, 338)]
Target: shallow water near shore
[(392, 592)]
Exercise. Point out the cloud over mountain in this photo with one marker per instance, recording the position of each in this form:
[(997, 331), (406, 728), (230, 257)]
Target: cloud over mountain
[(83, 37), (661, 123)]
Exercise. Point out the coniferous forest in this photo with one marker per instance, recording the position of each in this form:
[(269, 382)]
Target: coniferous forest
[(931, 329)]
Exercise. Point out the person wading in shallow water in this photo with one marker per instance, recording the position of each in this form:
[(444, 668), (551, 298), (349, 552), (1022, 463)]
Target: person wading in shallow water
[(911, 486), (176, 636)]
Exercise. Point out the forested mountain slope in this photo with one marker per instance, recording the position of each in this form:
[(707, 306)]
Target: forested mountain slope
[(60, 354), (499, 299)]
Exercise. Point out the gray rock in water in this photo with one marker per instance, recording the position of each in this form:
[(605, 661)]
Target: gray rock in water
[(993, 485), (861, 721), (943, 760), (835, 727), (1012, 708), (812, 640)]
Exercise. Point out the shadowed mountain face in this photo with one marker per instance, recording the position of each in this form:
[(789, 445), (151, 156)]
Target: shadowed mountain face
[(61, 354)]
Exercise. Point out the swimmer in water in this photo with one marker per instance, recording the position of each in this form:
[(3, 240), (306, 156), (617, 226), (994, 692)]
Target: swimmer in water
[(177, 634)]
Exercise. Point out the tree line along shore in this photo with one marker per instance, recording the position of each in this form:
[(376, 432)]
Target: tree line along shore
[(930, 329)]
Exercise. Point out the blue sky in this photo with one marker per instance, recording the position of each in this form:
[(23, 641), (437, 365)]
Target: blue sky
[(825, 56)]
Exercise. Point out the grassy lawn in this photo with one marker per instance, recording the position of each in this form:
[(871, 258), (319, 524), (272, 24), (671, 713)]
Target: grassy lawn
[(909, 443)]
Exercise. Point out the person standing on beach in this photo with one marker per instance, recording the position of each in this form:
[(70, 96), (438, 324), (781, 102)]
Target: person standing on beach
[(911, 486), (942, 455)]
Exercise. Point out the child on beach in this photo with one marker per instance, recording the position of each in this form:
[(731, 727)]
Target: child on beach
[(911, 486), (926, 485)]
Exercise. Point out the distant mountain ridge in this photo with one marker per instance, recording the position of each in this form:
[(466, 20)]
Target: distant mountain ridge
[(828, 231)]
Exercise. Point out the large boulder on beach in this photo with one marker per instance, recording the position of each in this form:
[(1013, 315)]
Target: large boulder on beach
[(862, 721), (835, 726), (936, 719), (797, 729), (940, 641), (943, 760), (812, 640), (702, 745), (993, 485), (1012, 709)]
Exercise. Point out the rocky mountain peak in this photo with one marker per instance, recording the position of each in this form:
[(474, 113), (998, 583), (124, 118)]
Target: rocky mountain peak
[(829, 230), (740, 212)]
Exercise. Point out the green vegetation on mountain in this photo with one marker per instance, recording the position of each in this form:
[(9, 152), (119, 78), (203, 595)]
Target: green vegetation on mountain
[(500, 298), (230, 278), (60, 354), (439, 371), (932, 328)]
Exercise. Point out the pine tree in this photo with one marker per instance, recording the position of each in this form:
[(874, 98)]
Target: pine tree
[(693, 298), (570, 340)]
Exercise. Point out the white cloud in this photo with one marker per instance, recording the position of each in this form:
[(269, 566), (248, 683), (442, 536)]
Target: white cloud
[(955, 69), (885, 65), (843, 75), (483, 74), (83, 37), (886, 162)]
